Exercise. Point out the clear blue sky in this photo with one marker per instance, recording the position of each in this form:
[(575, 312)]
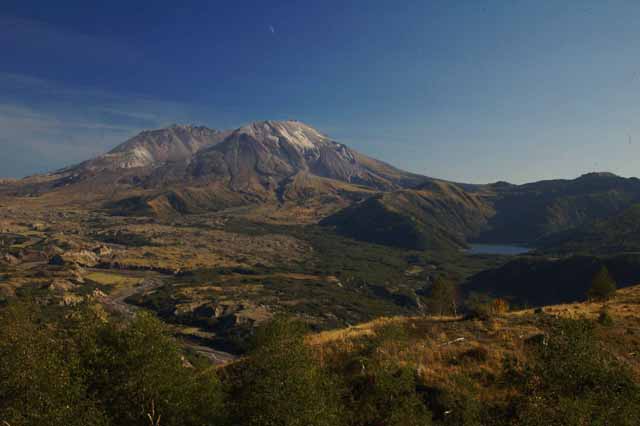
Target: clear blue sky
[(473, 91)]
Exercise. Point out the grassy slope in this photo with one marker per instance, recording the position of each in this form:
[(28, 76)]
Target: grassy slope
[(444, 349)]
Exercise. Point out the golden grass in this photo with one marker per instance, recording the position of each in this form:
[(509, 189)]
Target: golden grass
[(107, 278), (445, 349)]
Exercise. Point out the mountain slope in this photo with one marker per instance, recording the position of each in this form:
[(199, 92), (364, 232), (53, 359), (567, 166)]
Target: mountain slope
[(537, 281), (434, 215), (188, 169), (526, 213), (618, 233), (263, 154), (153, 148)]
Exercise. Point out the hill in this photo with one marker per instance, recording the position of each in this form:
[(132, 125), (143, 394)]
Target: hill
[(616, 234), (527, 213), (434, 215), (439, 214), (538, 281)]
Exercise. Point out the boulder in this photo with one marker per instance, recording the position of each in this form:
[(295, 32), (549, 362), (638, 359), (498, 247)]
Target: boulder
[(61, 286), (10, 259), (103, 251)]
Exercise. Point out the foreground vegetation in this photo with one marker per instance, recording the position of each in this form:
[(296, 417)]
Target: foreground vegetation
[(83, 368)]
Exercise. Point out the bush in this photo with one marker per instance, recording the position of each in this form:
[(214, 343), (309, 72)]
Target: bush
[(479, 306), (135, 368), (84, 371), (460, 407), (282, 384), (442, 297), (574, 382), (385, 394), (604, 318), (40, 376)]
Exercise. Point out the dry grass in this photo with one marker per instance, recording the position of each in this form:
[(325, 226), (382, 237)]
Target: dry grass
[(445, 349), (111, 279)]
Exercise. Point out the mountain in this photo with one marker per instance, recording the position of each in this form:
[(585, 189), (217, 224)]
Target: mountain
[(615, 234), (188, 169), (125, 165), (527, 213), (439, 214), (265, 154), (153, 148), (305, 175), (433, 215)]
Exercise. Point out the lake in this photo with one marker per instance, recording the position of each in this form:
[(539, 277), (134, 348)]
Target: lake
[(504, 249)]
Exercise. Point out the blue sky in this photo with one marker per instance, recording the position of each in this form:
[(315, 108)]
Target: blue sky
[(473, 91)]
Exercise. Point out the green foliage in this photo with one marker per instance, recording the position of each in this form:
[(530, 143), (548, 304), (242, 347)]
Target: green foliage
[(479, 306), (40, 375), (378, 390), (461, 407), (283, 385), (83, 371), (135, 368), (604, 318), (574, 382), (442, 297), (386, 394), (603, 286)]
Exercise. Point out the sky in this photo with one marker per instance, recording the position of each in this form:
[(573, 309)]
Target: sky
[(470, 91)]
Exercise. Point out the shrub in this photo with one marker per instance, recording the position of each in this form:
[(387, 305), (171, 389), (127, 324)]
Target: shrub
[(477, 354), (574, 382), (138, 367), (479, 306), (604, 318), (384, 394), (282, 384), (82, 371), (40, 375), (459, 407)]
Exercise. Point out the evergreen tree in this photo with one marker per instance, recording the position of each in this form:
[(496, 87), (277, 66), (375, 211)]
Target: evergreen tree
[(603, 286), (442, 297)]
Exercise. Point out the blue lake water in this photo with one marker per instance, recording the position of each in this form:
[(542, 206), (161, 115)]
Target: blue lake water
[(503, 249)]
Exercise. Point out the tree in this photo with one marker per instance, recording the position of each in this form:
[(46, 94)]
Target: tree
[(603, 286), (442, 297), (282, 384), (81, 370), (137, 368), (41, 380)]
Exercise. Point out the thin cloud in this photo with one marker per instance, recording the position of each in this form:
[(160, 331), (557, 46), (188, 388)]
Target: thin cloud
[(45, 125), (44, 38)]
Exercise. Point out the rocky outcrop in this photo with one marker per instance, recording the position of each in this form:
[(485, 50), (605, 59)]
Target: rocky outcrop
[(84, 258)]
